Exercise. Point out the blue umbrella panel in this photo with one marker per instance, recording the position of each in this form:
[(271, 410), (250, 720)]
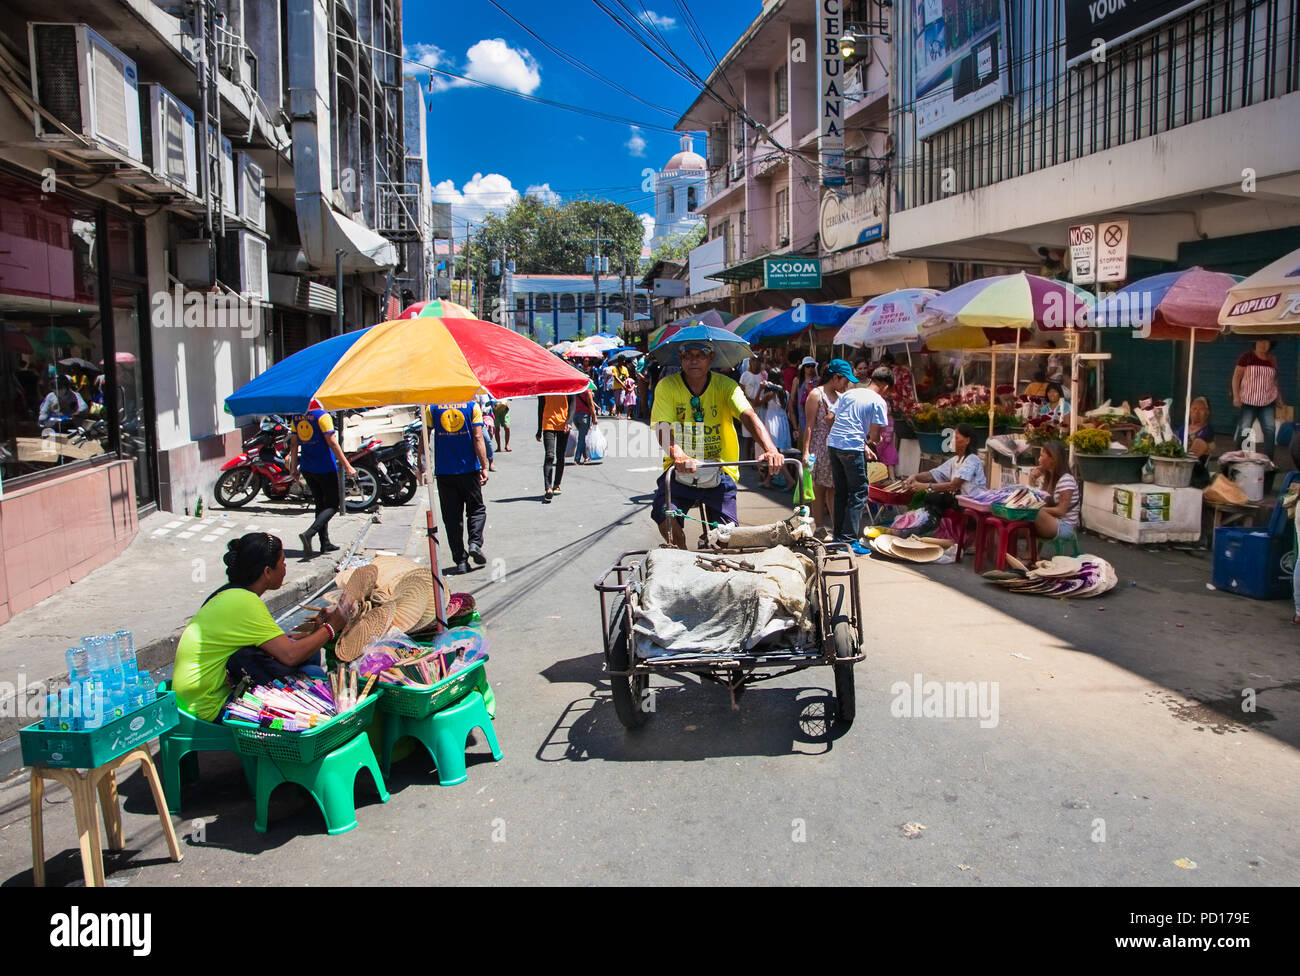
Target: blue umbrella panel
[(795, 320)]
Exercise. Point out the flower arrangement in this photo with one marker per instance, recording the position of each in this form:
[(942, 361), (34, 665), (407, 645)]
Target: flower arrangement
[(926, 418), (1090, 440), (1042, 430), (1146, 444)]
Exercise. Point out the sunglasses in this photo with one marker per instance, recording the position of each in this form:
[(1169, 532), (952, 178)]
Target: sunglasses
[(699, 410)]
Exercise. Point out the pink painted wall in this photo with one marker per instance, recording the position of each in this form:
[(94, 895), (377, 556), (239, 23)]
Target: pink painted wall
[(56, 532)]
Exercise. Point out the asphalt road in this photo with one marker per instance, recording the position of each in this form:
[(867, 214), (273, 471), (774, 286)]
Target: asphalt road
[(1095, 767)]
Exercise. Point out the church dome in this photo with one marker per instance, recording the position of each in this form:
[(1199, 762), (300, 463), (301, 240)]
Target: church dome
[(687, 158)]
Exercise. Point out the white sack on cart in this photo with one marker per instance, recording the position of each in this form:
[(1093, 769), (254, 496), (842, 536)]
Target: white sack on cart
[(686, 608)]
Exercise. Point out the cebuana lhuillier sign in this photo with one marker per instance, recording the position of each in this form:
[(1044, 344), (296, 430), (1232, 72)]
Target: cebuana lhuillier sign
[(830, 77)]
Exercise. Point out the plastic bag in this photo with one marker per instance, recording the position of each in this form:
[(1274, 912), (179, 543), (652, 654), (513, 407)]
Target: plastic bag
[(596, 444)]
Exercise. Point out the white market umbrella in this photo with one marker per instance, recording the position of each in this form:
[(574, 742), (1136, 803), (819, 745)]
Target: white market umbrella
[(1266, 303)]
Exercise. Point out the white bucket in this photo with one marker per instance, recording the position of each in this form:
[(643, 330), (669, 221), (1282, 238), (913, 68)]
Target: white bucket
[(1249, 477)]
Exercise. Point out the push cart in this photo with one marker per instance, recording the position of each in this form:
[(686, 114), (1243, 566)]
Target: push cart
[(834, 607)]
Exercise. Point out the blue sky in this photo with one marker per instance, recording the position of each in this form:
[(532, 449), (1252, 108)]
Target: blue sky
[(487, 146)]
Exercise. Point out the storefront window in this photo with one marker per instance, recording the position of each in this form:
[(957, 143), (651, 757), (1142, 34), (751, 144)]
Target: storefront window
[(135, 430), (52, 354)]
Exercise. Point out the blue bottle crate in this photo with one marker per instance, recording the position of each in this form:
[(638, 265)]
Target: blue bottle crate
[(1249, 562)]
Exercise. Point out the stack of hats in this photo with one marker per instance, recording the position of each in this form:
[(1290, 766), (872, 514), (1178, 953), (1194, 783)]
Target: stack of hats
[(1072, 576), (912, 549)]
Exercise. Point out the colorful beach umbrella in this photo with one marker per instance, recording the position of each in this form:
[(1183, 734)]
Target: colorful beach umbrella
[(892, 317), (967, 317), (1172, 305), (729, 349), (1267, 302), (437, 308), (288, 386), (799, 319), (746, 324)]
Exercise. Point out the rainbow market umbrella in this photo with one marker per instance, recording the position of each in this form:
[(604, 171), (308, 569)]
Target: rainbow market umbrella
[(889, 318), (799, 319), (437, 308), (746, 324), (968, 316)]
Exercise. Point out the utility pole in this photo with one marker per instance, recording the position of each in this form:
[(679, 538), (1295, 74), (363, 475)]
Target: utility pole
[(594, 265)]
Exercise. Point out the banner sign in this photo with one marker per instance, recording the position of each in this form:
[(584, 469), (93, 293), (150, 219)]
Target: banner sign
[(705, 260), (792, 273), (830, 78), (850, 220), (1113, 21), (959, 60)]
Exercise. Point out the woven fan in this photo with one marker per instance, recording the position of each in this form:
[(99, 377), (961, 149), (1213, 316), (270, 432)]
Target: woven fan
[(411, 598), (391, 569), (361, 583), (369, 627)]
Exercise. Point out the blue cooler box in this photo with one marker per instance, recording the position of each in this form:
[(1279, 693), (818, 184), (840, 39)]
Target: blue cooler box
[(1249, 562)]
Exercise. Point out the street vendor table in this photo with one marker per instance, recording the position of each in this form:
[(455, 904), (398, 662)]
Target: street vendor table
[(1142, 513)]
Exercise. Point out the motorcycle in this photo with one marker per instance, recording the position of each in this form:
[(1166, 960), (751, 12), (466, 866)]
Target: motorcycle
[(390, 468), (262, 468)]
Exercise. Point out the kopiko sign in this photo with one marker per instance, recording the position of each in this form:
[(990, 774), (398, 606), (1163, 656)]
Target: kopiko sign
[(792, 273), (1112, 21)]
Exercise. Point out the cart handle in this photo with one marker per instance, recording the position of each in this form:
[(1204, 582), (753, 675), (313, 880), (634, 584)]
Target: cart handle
[(668, 481)]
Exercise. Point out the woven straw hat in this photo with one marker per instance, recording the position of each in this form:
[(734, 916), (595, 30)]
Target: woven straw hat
[(361, 584), (910, 550)]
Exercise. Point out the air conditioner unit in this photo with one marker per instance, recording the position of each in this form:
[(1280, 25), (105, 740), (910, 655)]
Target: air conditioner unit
[(168, 132), (221, 167), (737, 167), (243, 264), (250, 191), (86, 84)]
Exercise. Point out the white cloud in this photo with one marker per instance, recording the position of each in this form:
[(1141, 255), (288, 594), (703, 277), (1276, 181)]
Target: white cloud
[(636, 144), (494, 61), (543, 192), (491, 61), (477, 198), (648, 231), (652, 19)]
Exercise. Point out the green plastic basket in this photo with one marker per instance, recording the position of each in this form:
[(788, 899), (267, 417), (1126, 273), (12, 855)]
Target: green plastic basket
[(1014, 514), (304, 746), (423, 702), (94, 747)]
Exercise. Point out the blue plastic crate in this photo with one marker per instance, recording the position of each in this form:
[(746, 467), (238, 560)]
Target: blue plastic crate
[(1249, 562)]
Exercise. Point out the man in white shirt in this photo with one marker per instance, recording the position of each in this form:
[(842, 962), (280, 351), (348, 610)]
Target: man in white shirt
[(859, 417), (751, 381)]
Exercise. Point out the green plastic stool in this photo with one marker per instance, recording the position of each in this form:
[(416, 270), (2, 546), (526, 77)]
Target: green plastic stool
[(444, 734), (178, 750), (330, 780), (1068, 546)]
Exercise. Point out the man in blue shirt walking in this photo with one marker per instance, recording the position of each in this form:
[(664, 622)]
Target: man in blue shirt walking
[(314, 447), (859, 415), (460, 465)]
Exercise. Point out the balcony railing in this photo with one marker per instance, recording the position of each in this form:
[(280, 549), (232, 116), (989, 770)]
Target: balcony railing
[(399, 210), (1223, 56)]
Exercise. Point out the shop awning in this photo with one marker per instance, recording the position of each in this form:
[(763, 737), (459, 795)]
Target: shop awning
[(744, 271)]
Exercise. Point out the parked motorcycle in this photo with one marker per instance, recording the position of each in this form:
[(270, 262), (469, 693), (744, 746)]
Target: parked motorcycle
[(262, 467)]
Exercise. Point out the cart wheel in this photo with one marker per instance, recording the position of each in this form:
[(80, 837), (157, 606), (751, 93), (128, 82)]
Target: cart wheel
[(629, 692), (846, 645)]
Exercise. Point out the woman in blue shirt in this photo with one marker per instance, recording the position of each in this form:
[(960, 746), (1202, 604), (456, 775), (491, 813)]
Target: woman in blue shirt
[(961, 474), (1057, 406)]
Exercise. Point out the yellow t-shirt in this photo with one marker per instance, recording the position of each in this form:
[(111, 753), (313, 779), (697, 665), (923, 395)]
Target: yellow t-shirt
[(714, 437), (232, 619)]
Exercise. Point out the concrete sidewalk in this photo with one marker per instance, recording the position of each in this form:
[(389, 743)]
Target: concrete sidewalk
[(153, 589)]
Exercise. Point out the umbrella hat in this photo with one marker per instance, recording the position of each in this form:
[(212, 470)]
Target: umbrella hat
[(729, 350)]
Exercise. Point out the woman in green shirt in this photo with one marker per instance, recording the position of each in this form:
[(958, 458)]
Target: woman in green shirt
[(233, 634)]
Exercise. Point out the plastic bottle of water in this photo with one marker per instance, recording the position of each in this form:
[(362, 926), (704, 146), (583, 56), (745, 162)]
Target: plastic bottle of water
[(126, 651), (117, 702), (50, 720), (78, 663), (97, 710), (66, 718)]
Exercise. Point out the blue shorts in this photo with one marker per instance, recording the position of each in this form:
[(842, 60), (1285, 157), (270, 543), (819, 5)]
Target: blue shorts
[(719, 502), (1064, 530)]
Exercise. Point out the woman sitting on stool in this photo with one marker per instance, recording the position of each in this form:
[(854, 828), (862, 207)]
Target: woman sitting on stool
[(961, 474), (1059, 518)]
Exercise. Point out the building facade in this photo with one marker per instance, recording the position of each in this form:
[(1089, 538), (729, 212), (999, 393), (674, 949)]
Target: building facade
[(555, 308), (176, 183)]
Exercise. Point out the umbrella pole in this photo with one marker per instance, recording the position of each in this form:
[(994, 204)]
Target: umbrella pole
[(1015, 374), (431, 528), (1187, 406)]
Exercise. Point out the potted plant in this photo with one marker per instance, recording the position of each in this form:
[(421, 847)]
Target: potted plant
[(1173, 468), (928, 421), (1098, 463)]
